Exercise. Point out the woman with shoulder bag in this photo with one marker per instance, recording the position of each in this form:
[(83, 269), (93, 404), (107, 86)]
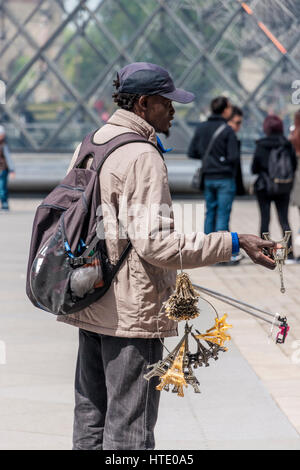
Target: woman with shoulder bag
[(275, 164)]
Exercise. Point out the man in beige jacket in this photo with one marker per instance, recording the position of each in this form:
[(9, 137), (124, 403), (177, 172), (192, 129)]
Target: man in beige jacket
[(119, 335)]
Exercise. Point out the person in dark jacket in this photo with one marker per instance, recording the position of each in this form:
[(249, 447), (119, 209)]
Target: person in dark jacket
[(273, 128), (236, 121), (220, 167)]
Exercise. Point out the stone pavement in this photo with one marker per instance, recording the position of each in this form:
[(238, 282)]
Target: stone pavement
[(250, 398)]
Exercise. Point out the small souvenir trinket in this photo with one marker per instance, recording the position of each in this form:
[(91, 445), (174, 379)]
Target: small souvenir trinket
[(183, 304), (217, 334), (280, 254)]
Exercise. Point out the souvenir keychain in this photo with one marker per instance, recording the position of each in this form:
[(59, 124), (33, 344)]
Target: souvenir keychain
[(176, 369), (280, 254)]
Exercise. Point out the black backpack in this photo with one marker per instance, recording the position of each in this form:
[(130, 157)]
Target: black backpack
[(280, 170), (68, 267)]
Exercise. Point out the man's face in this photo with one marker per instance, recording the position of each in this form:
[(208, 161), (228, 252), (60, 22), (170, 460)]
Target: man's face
[(159, 113), (236, 122)]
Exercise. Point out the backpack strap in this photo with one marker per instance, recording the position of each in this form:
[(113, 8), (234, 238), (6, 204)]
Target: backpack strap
[(100, 152), (85, 151), (215, 135)]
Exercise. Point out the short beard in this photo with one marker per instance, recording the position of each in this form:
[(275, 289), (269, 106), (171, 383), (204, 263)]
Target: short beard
[(166, 133)]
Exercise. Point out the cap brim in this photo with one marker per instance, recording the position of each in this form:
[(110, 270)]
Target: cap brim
[(180, 96)]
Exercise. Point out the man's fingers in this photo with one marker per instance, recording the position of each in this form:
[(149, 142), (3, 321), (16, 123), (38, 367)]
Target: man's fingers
[(259, 250), (266, 261), (267, 244)]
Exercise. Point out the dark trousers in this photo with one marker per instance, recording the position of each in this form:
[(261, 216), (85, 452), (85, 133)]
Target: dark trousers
[(115, 407), (282, 207), (219, 195)]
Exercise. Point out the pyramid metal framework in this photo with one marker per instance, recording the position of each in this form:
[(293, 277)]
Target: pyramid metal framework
[(59, 58)]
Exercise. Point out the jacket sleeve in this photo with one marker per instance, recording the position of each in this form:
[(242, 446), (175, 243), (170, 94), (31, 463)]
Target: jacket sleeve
[(147, 216), (256, 167), (233, 151), (194, 150)]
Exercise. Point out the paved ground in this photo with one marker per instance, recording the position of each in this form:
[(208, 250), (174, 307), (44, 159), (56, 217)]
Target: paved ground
[(250, 398)]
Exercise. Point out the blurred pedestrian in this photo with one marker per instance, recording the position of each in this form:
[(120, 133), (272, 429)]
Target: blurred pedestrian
[(6, 168), (273, 148), (294, 137), (235, 121), (219, 165)]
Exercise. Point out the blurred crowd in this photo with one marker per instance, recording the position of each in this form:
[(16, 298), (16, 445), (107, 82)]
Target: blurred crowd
[(275, 163), (216, 142)]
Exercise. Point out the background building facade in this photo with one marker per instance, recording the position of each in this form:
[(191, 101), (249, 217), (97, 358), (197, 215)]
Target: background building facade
[(58, 59)]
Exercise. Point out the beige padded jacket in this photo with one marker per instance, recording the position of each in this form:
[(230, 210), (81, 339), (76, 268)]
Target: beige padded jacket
[(135, 177)]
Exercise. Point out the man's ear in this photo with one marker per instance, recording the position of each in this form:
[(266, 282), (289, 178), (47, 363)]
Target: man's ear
[(141, 106), (143, 102)]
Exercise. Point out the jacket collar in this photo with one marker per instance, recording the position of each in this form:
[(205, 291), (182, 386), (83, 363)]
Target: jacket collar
[(216, 117), (133, 122), (272, 140)]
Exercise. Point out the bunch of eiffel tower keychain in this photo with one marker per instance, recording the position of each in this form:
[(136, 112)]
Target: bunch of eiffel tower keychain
[(177, 368)]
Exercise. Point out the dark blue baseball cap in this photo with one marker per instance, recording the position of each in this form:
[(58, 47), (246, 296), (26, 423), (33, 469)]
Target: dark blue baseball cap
[(144, 78)]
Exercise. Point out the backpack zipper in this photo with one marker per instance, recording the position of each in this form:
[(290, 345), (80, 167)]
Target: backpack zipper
[(54, 206), (70, 187)]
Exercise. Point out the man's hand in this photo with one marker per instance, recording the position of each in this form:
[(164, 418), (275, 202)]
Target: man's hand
[(254, 247)]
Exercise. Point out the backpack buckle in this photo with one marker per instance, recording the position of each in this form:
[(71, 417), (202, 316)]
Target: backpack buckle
[(81, 261), (75, 262)]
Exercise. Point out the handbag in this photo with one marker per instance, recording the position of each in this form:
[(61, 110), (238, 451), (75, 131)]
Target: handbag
[(198, 177)]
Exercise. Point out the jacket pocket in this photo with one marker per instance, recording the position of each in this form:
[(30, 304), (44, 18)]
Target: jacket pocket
[(161, 278)]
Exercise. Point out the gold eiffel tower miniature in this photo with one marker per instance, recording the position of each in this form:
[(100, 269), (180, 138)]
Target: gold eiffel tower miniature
[(161, 367), (174, 375), (217, 334)]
